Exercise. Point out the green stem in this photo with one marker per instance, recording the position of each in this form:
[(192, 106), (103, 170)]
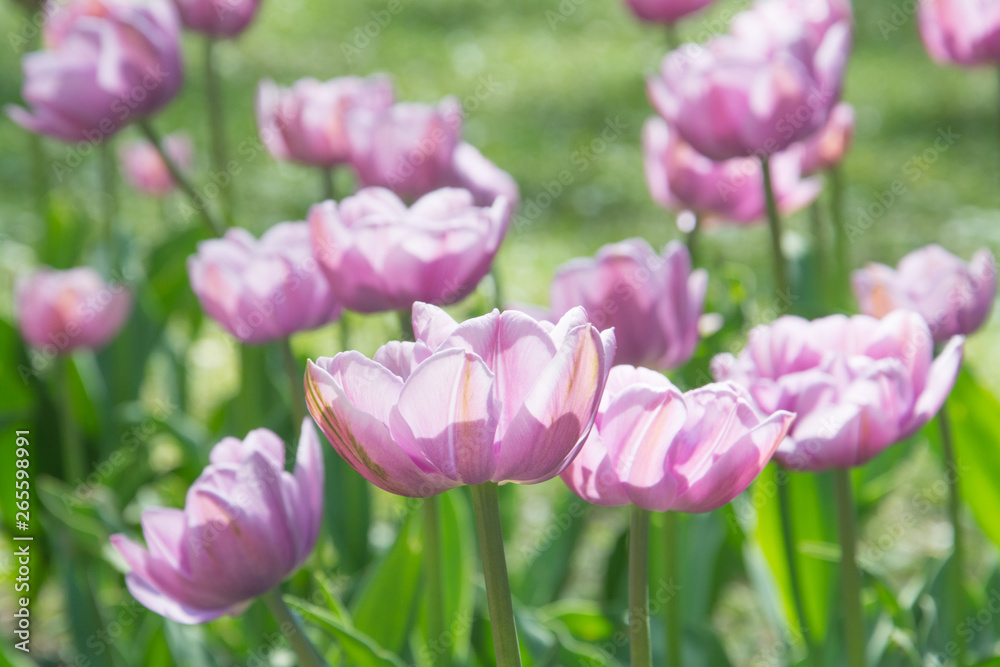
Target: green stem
[(672, 40), (824, 285), (692, 240), (788, 538), (839, 230), (434, 579), (40, 177), (214, 226), (329, 191), (672, 610), (73, 454), (498, 295), (295, 381), (290, 626), (850, 576), (487, 509), (954, 512), (345, 333), (217, 126), (108, 190), (406, 325), (774, 224)]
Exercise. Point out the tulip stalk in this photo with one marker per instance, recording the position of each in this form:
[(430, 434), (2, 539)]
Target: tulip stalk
[(73, 455), (214, 226), (672, 609), (434, 579), (108, 190), (303, 647), (850, 576), (788, 538), (638, 588), (329, 191), (837, 218), (217, 124), (487, 509), (954, 512), (774, 224), (295, 381)]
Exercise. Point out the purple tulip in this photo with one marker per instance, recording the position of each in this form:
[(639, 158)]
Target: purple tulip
[(65, 310), (661, 450), (665, 11), (144, 169), (961, 32), (110, 62), (263, 290), (770, 20), (218, 18), (743, 97), (858, 384), (246, 525), (829, 145), (380, 255), (486, 181), (954, 297), (681, 178), (308, 122), (499, 397), (652, 301)]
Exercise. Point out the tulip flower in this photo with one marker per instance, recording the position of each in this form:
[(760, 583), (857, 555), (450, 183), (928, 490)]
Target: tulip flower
[(246, 525), (66, 310), (144, 169), (858, 384), (785, 20), (679, 178), (961, 32), (665, 11), (307, 123), (652, 301), (262, 290), (217, 18), (486, 181), (743, 97), (661, 450), (954, 297), (380, 255), (109, 64), (825, 149)]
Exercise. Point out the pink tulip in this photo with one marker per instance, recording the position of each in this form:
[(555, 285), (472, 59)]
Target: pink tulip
[(784, 20), (111, 62), (246, 525), (858, 384), (665, 11), (661, 450), (499, 397), (218, 18), (741, 97), (263, 290), (65, 310), (681, 178), (380, 255), (961, 32), (145, 170), (954, 297), (829, 145), (652, 301), (407, 148), (307, 123), (486, 181)]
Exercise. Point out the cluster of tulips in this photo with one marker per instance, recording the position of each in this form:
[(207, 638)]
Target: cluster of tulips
[(519, 395)]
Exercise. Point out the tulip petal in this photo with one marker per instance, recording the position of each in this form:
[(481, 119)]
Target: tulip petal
[(940, 381), (592, 476)]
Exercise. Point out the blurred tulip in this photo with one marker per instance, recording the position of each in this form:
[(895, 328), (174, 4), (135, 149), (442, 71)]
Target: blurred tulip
[(665, 11), (652, 301), (743, 97), (218, 18), (262, 290), (829, 145), (380, 255), (70, 309), (246, 525), (952, 296), (661, 450), (145, 170), (486, 181), (499, 397), (109, 63), (307, 123), (961, 32), (680, 178), (407, 148), (858, 384), (784, 21)]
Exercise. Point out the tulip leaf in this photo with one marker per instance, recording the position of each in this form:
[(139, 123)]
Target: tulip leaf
[(546, 559), (359, 648), (347, 512)]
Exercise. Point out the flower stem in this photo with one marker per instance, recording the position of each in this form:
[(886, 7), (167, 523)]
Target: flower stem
[(673, 41), (329, 191), (954, 511), (406, 325), (691, 240), (487, 509), (295, 380), (290, 626), (672, 610), (788, 537), (345, 333), (214, 226), (824, 285), (850, 576), (434, 579), (839, 231), (498, 295), (774, 224), (108, 191), (73, 454), (217, 125)]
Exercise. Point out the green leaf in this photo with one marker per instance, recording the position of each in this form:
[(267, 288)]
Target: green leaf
[(362, 650), (548, 556), (347, 512)]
